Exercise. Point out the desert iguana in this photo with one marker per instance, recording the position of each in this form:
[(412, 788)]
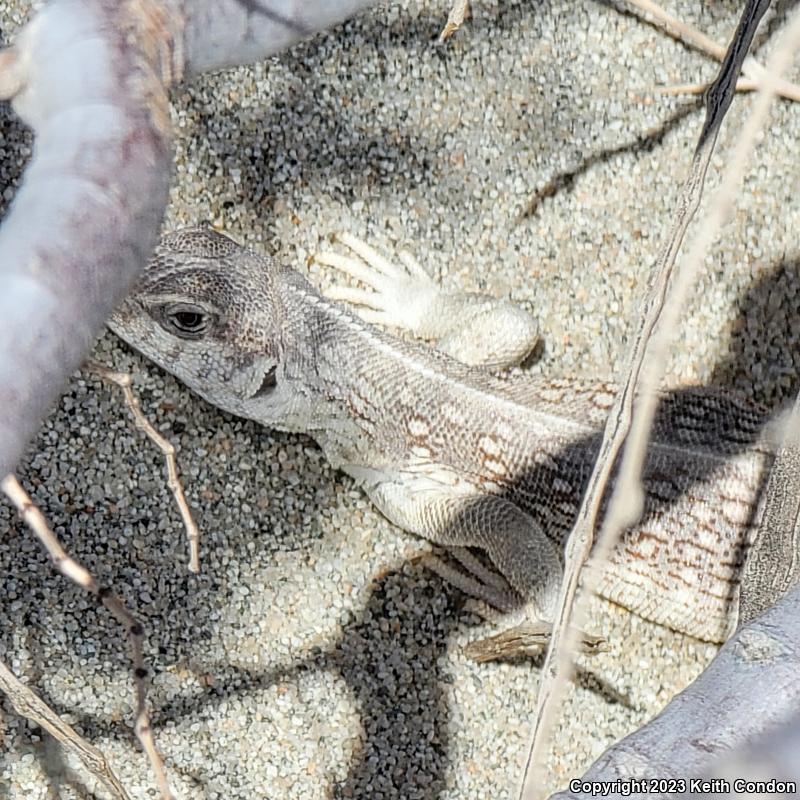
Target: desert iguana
[(451, 452)]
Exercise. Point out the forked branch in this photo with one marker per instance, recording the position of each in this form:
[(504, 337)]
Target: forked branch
[(90, 77), (123, 380), (691, 36), (78, 574)]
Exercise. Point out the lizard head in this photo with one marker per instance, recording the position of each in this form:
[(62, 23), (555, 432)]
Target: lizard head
[(207, 310)]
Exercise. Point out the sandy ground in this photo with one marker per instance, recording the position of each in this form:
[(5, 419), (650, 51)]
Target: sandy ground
[(312, 658)]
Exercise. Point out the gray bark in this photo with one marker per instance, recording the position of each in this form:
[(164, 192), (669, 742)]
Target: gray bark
[(225, 33), (775, 756), (87, 215), (88, 76), (750, 690)]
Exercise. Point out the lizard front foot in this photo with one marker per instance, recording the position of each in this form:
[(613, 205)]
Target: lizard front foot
[(398, 295), (475, 329)]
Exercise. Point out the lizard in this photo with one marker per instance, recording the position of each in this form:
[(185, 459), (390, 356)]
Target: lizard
[(442, 443)]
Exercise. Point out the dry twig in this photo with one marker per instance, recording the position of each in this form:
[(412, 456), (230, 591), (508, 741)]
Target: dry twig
[(30, 706), (692, 37), (742, 85), (455, 19), (71, 569), (124, 381), (639, 387)]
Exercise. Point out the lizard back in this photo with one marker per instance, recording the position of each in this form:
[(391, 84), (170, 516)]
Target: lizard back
[(534, 440)]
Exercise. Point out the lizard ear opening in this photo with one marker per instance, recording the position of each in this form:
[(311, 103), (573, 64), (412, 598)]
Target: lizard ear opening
[(269, 382)]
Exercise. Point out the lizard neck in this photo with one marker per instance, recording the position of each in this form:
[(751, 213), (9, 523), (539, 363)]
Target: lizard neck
[(313, 387)]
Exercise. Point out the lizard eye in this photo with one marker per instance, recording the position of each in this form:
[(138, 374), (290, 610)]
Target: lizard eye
[(186, 321), (189, 321)]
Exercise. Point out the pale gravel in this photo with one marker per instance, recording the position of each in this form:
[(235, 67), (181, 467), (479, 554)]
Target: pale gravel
[(313, 658)]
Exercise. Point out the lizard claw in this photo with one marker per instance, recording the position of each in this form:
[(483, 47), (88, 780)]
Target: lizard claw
[(397, 295)]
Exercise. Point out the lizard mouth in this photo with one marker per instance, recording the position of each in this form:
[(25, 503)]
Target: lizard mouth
[(267, 384)]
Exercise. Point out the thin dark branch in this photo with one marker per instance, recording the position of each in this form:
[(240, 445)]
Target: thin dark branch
[(721, 93)]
